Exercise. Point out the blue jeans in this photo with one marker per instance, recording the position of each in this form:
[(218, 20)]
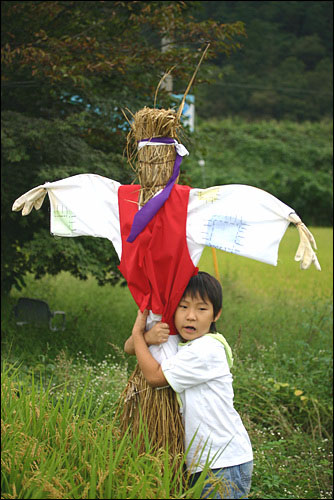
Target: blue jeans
[(235, 481)]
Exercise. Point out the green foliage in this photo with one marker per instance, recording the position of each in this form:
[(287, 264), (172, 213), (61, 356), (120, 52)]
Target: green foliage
[(293, 467), (288, 404), (289, 160), (78, 378), (97, 318), (68, 68), (284, 69), (36, 150)]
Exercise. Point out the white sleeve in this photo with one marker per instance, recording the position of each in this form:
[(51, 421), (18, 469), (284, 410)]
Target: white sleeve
[(239, 219), (195, 364), (85, 205)]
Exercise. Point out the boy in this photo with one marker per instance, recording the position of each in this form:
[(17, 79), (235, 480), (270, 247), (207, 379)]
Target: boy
[(199, 372)]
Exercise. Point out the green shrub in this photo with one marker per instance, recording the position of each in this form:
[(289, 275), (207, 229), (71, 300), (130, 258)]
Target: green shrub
[(292, 161)]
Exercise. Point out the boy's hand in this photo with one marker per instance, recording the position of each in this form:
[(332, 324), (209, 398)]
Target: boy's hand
[(158, 334), (139, 327), (149, 366)]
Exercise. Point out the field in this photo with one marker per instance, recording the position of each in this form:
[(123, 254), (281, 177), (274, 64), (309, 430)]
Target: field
[(59, 389)]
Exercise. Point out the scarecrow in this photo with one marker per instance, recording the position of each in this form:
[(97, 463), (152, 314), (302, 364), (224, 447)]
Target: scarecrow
[(159, 230)]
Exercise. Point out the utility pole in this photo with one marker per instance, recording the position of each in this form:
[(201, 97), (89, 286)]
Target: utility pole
[(167, 84)]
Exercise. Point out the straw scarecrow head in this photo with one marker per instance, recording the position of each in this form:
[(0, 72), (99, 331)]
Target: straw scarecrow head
[(155, 165)]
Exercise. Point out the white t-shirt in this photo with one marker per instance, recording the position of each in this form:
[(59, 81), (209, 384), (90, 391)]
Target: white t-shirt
[(200, 374)]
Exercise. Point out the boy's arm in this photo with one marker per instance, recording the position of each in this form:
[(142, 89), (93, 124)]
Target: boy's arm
[(149, 366), (157, 335)]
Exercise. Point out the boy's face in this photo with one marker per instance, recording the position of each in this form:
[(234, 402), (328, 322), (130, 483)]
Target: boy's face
[(193, 317)]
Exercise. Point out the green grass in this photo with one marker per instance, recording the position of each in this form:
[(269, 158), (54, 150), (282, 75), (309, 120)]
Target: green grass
[(54, 448), (59, 438)]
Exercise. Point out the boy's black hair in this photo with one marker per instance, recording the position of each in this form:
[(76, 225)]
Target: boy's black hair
[(208, 288)]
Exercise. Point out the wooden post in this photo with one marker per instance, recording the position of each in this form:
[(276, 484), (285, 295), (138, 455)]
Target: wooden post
[(215, 263)]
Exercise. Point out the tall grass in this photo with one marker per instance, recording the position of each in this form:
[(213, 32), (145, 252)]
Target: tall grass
[(55, 449), (59, 390)]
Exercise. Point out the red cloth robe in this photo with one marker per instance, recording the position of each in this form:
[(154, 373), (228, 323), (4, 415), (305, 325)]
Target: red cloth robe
[(156, 265)]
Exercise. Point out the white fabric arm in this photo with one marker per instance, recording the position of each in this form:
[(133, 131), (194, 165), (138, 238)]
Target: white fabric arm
[(238, 219), (81, 205), (243, 220)]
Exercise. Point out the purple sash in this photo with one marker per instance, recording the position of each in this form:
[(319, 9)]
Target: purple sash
[(148, 211)]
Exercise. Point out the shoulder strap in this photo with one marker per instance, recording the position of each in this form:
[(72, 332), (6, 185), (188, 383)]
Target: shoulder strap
[(228, 350)]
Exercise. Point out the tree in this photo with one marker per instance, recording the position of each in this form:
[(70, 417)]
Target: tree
[(285, 69), (68, 68)]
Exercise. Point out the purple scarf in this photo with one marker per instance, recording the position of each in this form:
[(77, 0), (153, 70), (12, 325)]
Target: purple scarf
[(148, 211)]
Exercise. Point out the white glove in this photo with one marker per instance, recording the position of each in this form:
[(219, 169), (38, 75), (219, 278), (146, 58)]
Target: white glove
[(33, 198), (305, 254)]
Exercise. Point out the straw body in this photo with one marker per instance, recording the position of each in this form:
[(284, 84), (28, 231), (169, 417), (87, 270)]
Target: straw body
[(154, 167), (160, 410)]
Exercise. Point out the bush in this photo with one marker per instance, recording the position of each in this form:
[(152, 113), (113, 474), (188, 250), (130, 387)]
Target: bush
[(289, 160)]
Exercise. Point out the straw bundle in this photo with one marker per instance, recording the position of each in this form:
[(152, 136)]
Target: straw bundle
[(160, 410), (153, 164)]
